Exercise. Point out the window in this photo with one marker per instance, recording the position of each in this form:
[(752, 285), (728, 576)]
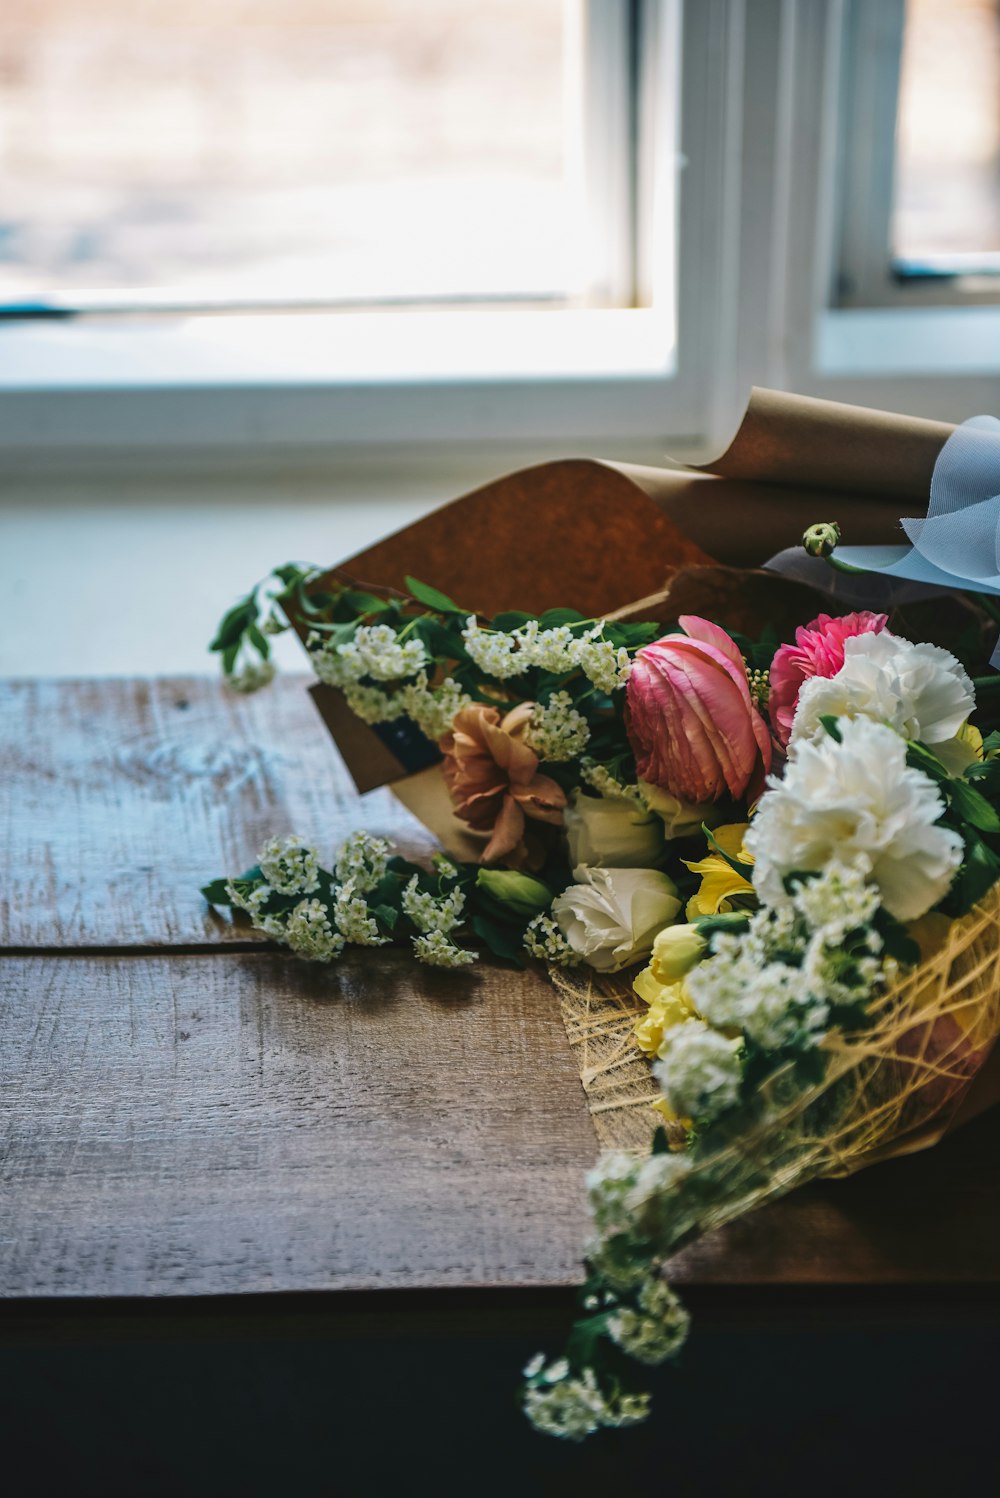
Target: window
[(315, 248), (559, 226), (921, 154), (214, 153)]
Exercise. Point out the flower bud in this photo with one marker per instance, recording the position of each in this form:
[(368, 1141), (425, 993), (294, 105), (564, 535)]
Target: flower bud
[(676, 950), (821, 540), (519, 894)]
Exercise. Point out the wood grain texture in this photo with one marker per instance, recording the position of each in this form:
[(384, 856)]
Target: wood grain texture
[(233, 1122), (124, 797)]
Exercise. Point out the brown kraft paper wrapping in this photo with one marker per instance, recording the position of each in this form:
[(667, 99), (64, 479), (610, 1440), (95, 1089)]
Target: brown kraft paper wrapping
[(598, 536)]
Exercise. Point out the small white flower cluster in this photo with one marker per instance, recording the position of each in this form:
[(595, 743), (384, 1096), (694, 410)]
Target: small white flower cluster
[(776, 981), (432, 912), (608, 668), (290, 866), (558, 732), (494, 652), (559, 651), (251, 676), (253, 904), (377, 651), (600, 779), (436, 949), (573, 1407), (433, 710), (544, 940), (363, 860), (699, 1070), (837, 902), (436, 917), (353, 918), (371, 704), (657, 1329), (628, 1195), (309, 933)]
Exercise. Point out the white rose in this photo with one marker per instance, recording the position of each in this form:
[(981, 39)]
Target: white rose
[(610, 917), (679, 818), (921, 691), (612, 833)]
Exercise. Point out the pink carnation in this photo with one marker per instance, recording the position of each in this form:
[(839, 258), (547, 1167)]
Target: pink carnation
[(690, 718), (818, 651)]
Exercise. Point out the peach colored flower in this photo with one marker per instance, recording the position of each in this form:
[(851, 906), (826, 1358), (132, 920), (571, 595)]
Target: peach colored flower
[(493, 777), (690, 717), (818, 651)]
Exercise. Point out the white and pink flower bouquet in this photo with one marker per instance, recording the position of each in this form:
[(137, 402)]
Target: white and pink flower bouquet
[(781, 842)]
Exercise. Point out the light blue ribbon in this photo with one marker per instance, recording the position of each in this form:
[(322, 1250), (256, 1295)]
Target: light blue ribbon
[(957, 545)]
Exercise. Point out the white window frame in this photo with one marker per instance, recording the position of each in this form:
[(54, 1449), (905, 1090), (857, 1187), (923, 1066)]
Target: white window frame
[(578, 380), (939, 362), (756, 255), (871, 65)]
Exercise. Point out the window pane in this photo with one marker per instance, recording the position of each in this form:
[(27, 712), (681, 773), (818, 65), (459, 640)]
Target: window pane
[(326, 150), (947, 194)]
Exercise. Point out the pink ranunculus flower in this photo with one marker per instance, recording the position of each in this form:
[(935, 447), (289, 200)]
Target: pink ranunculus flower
[(690, 718), (818, 651)]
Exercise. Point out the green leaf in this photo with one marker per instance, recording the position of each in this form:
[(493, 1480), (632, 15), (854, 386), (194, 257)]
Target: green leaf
[(829, 722), (504, 942), (364, 603), (234, 624), (732, 922), (972, 806), (386, 915), (919, 757), (661, 1144), (978, 873), (553, 618), (259, 641), (512, 619), (898, 942), (215, 893), (293, 573), (743, 869), (432, 598)]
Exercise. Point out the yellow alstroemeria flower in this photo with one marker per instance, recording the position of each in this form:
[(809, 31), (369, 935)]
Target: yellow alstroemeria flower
[(669, 1005), (719, 882)]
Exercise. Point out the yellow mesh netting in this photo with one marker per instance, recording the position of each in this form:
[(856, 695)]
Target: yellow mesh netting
[(893, 1087)]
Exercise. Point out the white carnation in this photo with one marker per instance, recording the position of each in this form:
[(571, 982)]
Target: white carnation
[(921, 691), (856, 802), (610, 917)]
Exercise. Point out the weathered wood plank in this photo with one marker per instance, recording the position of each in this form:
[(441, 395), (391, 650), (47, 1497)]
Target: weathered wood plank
[(123, 797), (236, 1122)]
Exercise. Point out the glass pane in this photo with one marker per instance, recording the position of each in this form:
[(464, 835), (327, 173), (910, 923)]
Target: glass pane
[(319, 149), (947, 203)]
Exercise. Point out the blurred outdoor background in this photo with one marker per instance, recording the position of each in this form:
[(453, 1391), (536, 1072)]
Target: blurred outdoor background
[(277, 276)]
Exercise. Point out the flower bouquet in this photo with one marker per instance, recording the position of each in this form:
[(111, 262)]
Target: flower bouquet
[(750, 824)]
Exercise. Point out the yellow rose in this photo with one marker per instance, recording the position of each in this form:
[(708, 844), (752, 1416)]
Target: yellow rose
[(676, 950)]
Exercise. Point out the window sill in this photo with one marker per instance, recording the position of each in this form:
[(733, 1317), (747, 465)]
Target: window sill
[(940, 342)]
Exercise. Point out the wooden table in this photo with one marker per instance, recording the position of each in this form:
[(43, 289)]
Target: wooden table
[(217, 1158)]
